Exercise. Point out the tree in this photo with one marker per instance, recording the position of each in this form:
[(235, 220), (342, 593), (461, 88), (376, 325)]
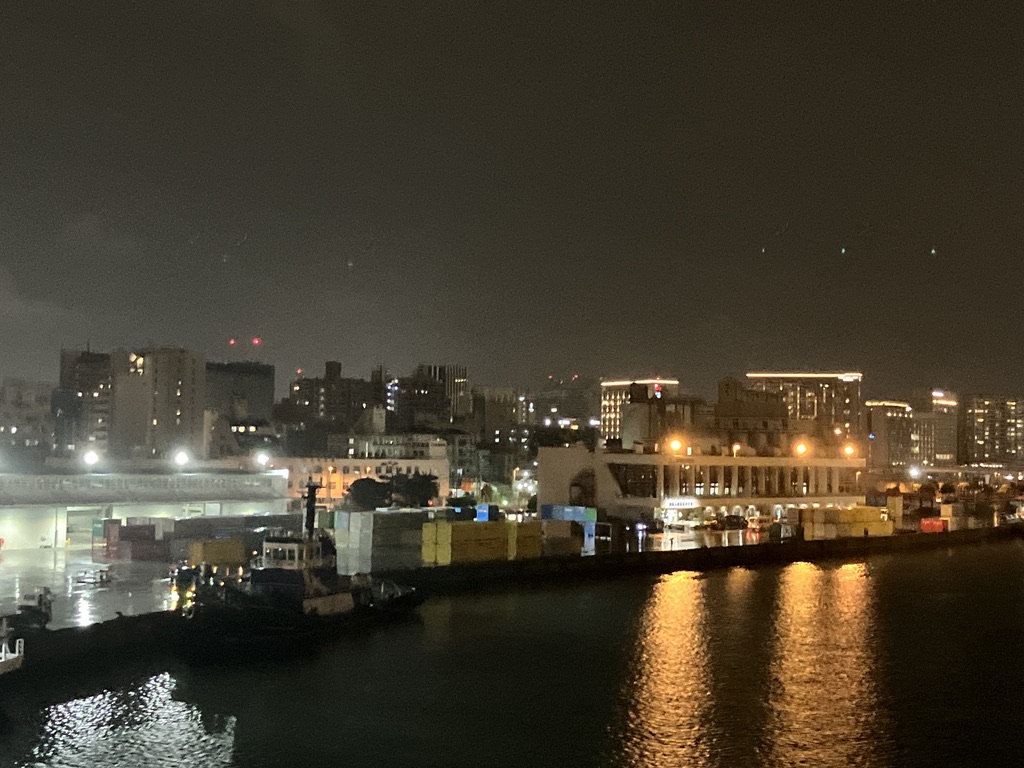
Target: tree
[(414, 490), (368, 494), (927, 493), (947, 489), (531, 505)]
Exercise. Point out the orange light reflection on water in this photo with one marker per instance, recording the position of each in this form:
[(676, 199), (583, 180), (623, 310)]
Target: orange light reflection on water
[(668, 687), (825, 699)]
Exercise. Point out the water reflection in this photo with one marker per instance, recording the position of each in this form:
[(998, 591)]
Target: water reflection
[(136, 725), (667, 686), (825, 697)]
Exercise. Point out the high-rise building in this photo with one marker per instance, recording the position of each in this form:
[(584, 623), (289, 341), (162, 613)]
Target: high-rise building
[(421, 404), (159, 403), (616, 392), (892, 436), (333, 398), (991, 430), (83, 403), (240, 390), (26, 420), (831, 400), (937, 411), (456, 386)]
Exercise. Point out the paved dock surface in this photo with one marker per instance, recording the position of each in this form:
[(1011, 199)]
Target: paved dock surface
[(134, 587), (137, 587)]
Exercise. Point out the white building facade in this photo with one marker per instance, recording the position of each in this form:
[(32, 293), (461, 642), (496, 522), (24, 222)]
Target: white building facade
[(633, 485)]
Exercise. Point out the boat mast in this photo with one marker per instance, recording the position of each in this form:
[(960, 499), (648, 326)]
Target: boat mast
[(311, 488)]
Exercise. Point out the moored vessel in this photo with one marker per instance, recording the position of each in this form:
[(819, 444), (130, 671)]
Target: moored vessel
[(292, 597), (11, 660)]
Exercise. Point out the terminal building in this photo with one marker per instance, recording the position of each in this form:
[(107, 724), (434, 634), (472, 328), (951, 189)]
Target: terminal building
[(677, 457), (56, 510), (664, 483)]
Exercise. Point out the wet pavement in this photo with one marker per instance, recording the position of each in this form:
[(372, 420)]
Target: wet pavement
[(675, 540), (140, 587), (133, 587)]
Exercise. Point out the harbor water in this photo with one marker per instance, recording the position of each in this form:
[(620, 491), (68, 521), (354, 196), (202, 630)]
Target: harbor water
[(899, 660)]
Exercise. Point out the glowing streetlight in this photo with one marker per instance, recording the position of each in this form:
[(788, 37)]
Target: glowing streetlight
[(181, 458), (736, 449), (263, 459), (800, 449), (849, 450), (914, 472), (676, 445), (90, 458)]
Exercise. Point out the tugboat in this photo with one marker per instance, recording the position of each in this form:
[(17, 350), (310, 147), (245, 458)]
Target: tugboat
[(34, 612), (291, 598), (10, 661)]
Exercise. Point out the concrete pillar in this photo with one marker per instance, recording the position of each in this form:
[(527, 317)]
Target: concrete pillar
[(691, 479), (734, 480), (675, 470), (762, 490), (659, 491)]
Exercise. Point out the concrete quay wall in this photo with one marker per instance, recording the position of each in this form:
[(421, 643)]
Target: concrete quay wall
[(462, 578), (51, 653)]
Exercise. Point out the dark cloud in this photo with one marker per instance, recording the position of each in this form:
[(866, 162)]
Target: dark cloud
[(523, 187)]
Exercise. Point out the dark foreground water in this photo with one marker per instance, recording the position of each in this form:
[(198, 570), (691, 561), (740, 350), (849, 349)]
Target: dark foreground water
[(910, 660)]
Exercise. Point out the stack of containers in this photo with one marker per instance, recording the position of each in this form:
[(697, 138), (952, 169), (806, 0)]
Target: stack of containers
[(585, 516), (525, 540), (934, 524), (370, 542), (478, 542), (561, 538), (162, 526), (229, 553), (448, 543), (487, 513), (841, 523)]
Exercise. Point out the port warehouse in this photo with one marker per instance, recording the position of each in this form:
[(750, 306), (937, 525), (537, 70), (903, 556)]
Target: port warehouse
[(54, 510)]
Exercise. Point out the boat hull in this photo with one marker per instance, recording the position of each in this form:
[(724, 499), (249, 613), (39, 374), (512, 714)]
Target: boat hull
[(230, 634)]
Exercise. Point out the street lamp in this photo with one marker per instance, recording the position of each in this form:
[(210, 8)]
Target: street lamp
[(848, 450), (676, 445), (181, 458), (263, 459), (90, 458), (736, 449), (800, 449)]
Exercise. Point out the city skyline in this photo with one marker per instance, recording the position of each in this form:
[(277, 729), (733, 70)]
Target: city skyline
[(521, 189)]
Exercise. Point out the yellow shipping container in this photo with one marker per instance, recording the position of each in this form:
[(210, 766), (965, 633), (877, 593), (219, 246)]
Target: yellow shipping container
[(479, 551), (529, 548), (879, 528), (225, 552), (444, 533), (428, 548), (477, 531), (524, 539)]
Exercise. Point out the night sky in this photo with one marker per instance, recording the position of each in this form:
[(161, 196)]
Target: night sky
[(525, 187)]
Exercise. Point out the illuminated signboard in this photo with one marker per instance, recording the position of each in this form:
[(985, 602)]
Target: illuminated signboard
[(679, 502)]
